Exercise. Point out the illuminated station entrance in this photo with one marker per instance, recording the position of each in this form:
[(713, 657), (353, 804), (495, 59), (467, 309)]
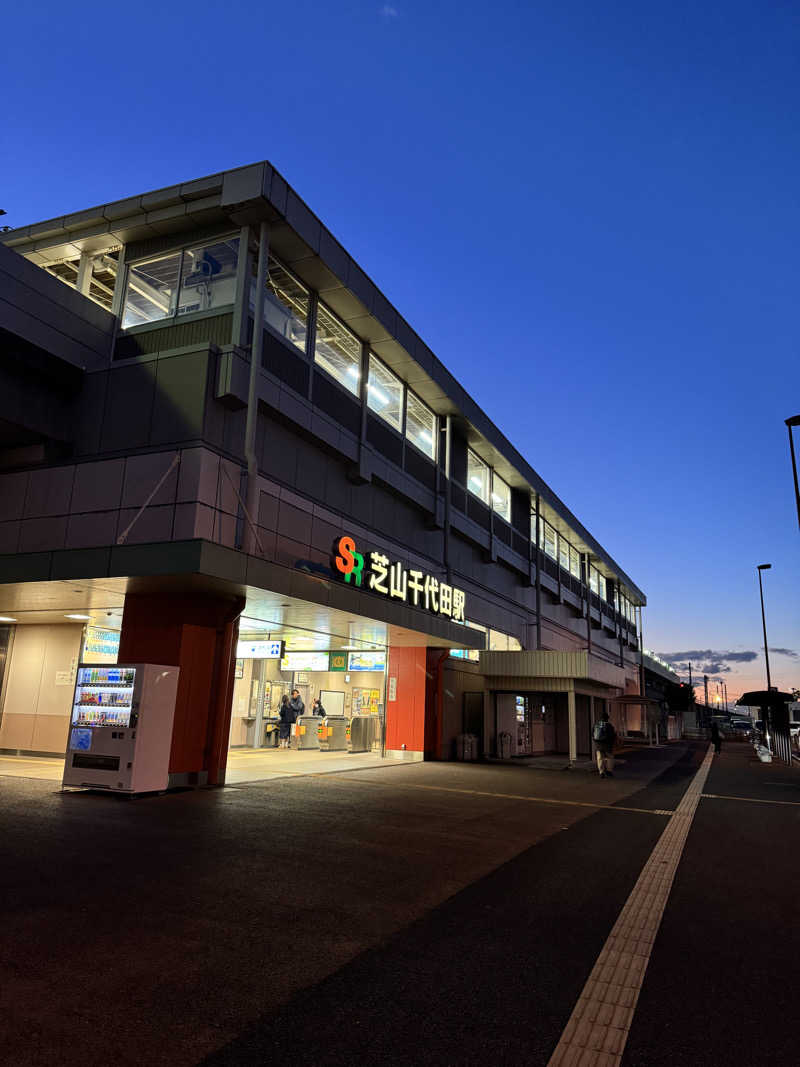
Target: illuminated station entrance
[(355, 687)]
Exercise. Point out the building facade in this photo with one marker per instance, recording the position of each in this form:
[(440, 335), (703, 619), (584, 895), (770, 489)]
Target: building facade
[(217, 434)]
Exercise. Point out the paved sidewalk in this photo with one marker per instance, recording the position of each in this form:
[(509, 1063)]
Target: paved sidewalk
[(722, 984)]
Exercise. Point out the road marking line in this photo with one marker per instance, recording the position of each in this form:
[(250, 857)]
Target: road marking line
[(505, 796), (751, 800), (598, 1028)]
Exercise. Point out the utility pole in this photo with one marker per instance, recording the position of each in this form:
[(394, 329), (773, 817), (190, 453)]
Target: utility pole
[(705, 684)]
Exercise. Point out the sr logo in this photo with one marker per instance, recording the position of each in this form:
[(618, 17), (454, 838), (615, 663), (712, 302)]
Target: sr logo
[(347, 561)]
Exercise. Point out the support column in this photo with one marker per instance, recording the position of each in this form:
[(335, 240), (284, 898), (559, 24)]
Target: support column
[(572, 722), (197, 633), (406, 714)]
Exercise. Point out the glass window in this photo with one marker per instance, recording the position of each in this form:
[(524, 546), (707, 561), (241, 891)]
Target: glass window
[(533, 527), (563, 553), (420, 425), (471, 654), (501, 497), (513, 644), (593, 583), (601, 585), (548, 539), (208, 276), (337, 350), (477, 476), (385, 393), (285, 304), (498, 642), (152, 289), (574, 562)]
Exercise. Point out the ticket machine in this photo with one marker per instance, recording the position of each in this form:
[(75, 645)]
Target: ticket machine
[(120, 732)]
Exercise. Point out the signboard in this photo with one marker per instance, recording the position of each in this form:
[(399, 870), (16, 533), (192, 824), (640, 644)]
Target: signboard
[(259, 649), (305, 661), (376, 572), (101, 645), (367, 661), (392, 688), (338, 661)]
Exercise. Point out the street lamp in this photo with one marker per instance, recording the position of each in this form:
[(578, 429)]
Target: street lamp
[(794, 421), (764, 567)]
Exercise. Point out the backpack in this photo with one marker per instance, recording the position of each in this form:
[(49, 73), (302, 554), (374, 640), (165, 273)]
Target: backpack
[(601, 731)]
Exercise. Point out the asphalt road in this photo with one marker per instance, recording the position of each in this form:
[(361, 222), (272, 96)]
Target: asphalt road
[(435, 913)]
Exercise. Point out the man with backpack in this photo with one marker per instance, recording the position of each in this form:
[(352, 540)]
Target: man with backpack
[(604, 735)]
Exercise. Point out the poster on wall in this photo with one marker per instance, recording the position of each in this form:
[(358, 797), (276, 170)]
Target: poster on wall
[(239, 671), (368, 661)]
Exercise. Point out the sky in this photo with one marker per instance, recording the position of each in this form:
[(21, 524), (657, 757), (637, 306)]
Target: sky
[(590, 212)]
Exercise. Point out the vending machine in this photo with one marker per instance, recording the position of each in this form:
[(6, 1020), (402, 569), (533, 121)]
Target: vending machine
[(120, 731)]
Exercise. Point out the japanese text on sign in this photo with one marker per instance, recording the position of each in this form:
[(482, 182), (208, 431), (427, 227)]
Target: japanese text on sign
[(391, 579)]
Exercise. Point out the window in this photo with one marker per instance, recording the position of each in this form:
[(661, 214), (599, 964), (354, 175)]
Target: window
[(477, 476), (563, 553), (501, 497), (601, 586), (513, 644), (199, 278), (471, 654), (574, 562), (420, 425), (385, 393), (152, 290), (285, 304), (593, 580), (337, 350), (498, 642), (548, 540)]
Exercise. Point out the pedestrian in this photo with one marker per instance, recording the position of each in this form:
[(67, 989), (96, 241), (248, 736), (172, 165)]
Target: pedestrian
[(318, 709), (604, 735), (716, 738), (297, 705), (286, 716)]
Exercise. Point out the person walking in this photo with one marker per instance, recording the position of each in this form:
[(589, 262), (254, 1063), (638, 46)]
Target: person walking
[(716, 738), (604, 735)]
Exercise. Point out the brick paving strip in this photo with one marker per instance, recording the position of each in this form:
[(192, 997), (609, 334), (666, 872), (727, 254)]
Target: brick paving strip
[(598, 1028)]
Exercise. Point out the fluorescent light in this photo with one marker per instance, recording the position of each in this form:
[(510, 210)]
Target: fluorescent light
[(80, 618), (379, 394), (6, 618), (426, 437), (353, 371), (476, 481)]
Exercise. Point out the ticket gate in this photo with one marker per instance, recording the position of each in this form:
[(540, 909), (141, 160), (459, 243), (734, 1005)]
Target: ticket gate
[(364, 733), (332, 733), (304, 733)]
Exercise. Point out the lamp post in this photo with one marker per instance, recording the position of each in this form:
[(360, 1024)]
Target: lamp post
[(794, 421), (764, 567)]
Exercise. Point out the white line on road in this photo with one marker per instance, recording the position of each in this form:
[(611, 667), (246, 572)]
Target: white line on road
[(598, 1028)]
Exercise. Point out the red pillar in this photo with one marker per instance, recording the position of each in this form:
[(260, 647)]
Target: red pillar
[(197, 633), (405, 715)]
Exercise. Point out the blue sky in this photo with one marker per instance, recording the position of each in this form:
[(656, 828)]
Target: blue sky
[(589, 212)]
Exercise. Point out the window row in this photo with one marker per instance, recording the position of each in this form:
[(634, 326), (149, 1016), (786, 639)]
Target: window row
[(494, 640), (488, 486), (556, 546), (203, 277)]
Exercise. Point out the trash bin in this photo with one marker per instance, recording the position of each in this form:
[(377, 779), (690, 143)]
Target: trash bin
[(467, 747), (332, 733), (304, 733), (504, 745)]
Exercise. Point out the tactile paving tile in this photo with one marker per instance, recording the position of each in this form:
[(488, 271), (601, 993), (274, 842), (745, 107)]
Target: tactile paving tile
[(598, 1028)]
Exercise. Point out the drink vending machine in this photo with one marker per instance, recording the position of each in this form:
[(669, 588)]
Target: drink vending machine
[(120, 731)]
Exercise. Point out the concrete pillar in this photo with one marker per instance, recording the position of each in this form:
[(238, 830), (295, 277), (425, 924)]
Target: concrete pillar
[(572, 722), (196, 632), (84, 279)]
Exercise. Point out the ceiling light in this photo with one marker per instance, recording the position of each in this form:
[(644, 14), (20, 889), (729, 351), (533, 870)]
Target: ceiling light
[(80, 618), (6, 618)]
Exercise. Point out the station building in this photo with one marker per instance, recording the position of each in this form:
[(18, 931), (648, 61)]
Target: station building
[(221, 447)]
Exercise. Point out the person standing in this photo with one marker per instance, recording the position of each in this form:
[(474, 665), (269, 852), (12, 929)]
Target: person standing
[(285, 714), (716, 738), (604, 735), (297, 705), (318, 709)]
